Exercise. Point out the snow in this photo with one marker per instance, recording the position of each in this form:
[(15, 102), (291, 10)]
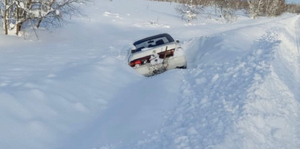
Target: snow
[(73, 89)]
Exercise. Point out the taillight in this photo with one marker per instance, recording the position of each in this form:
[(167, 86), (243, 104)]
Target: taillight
[(135, 62), (132, 64), (138, 62)]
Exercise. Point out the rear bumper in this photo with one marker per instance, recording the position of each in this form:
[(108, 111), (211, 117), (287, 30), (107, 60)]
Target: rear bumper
[(171, 63)]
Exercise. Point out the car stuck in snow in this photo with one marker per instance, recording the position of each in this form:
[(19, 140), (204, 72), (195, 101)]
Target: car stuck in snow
[(156, 54)]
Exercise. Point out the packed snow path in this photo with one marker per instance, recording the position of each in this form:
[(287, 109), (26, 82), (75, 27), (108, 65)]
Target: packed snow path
[(75, 90)]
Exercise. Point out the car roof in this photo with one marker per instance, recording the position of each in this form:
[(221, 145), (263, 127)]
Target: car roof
[(154, 37)]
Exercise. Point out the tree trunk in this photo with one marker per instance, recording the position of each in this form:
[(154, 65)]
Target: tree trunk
[(29, 4), (5, 18), (18, 28), (39, 23)]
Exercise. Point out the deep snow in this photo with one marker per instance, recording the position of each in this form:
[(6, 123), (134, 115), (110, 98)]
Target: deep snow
[(72, 88)]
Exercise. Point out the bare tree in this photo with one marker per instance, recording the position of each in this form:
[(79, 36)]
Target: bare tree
[(293, 8), (255, 8), (266, 7), (4, 7), (18, 14), (277, 7)]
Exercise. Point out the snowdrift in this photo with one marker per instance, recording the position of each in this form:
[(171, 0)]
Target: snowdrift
[(236, 96)]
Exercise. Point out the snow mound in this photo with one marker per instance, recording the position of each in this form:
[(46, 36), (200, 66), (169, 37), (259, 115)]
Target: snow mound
[(233, 100)]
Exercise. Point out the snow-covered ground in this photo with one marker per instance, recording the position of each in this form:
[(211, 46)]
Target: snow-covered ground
[(73, 89)]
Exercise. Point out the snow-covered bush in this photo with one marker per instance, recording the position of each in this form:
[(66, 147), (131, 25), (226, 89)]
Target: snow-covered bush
[(189, 11), (229, 15), (225, 9)]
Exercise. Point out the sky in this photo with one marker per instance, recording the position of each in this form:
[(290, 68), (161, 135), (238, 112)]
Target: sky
[(293, 1)]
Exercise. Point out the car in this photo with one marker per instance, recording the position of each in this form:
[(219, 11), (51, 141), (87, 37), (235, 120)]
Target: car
[(156, 54)]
